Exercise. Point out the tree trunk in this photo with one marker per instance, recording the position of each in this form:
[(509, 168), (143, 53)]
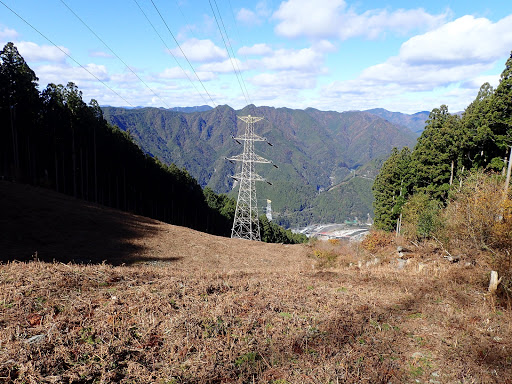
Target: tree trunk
[(73, 157), (95, 171), (14, 144), (56, 171)]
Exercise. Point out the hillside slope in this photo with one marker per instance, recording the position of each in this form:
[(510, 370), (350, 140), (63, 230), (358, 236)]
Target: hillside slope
[(187, 307), (37, 222)]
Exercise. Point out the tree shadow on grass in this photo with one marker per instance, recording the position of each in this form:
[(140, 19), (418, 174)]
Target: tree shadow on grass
[(40, 223)]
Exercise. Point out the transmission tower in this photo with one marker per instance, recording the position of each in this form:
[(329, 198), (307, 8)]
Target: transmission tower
[(246, 223)]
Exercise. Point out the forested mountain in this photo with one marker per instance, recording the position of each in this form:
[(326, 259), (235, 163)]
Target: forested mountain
[(53, 139), (415, 122), (315, 151), (451, 147)]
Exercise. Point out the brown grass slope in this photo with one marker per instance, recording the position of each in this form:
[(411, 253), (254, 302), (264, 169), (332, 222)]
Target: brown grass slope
[(192, 308), (65, 229)]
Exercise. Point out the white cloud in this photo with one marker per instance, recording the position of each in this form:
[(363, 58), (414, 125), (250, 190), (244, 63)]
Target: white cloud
[(206, 75), (457, 51), (308, 18), (420, 77), (371, 24), (324, 46), (126, 78), (173, 73), (247, 16), (62, 74), (256, 50), (306, 59), (200, 50), (256, 17), (443, 66), (225, 66), (285, 80), (332, 18), (476, 82), (466, 40), (7, 34), (33, 52), (100, 54), (178, 73)]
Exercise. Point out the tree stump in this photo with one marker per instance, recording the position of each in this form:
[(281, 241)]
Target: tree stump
[(493, 283)]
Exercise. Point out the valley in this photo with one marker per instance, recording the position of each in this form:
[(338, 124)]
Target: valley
[(327, 160)]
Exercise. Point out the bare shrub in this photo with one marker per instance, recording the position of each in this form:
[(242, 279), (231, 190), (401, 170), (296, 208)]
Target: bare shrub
[(479, 223), (325, 258), (334, 241), (376, 240), (474, 212)]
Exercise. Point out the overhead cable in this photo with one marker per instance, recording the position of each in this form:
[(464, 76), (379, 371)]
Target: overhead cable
[(64, 52), (169, 50), (232, 57), (114, 53), (183, 53)]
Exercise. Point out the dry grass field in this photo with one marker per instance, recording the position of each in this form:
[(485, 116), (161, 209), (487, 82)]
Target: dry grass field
[(116, 298)]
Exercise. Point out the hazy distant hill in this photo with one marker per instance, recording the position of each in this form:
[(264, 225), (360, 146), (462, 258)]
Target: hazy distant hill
[(415, 122), (200, 108), (314, 150)]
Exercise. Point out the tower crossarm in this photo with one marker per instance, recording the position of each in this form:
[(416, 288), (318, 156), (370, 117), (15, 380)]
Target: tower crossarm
[(252, 137), (254, 177), (250, 119), (253, 158)]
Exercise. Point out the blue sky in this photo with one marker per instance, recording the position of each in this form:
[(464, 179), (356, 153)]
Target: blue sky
[(405, 56)]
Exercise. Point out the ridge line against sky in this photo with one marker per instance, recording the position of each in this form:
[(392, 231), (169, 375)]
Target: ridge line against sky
[(328, 54)]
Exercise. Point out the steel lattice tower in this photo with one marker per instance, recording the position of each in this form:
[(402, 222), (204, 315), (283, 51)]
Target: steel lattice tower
[(246, 223)]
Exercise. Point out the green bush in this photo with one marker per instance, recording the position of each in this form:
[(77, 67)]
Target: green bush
[(421, 217)]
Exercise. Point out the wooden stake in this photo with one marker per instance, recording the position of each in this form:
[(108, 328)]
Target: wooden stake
[(451, 174), (493, 283), (509, 169)]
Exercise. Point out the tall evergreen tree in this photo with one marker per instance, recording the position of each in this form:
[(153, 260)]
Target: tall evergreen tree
[(477, 132), (437, 152), (500, 116), (390, 188), (19, 108)]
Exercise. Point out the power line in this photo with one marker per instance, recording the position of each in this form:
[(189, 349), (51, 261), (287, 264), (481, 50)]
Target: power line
[(231, 58), (238, 35), (64, 52), (233, 52), (115, 54), (187, 22), (183, 53), (169, 50)]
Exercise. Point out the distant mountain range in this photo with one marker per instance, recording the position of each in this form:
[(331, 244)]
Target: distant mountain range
[(415, 122), (327, 160), (199, 108)]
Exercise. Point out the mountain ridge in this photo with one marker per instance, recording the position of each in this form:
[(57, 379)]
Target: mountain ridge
[(415, 122), (313, 149)]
